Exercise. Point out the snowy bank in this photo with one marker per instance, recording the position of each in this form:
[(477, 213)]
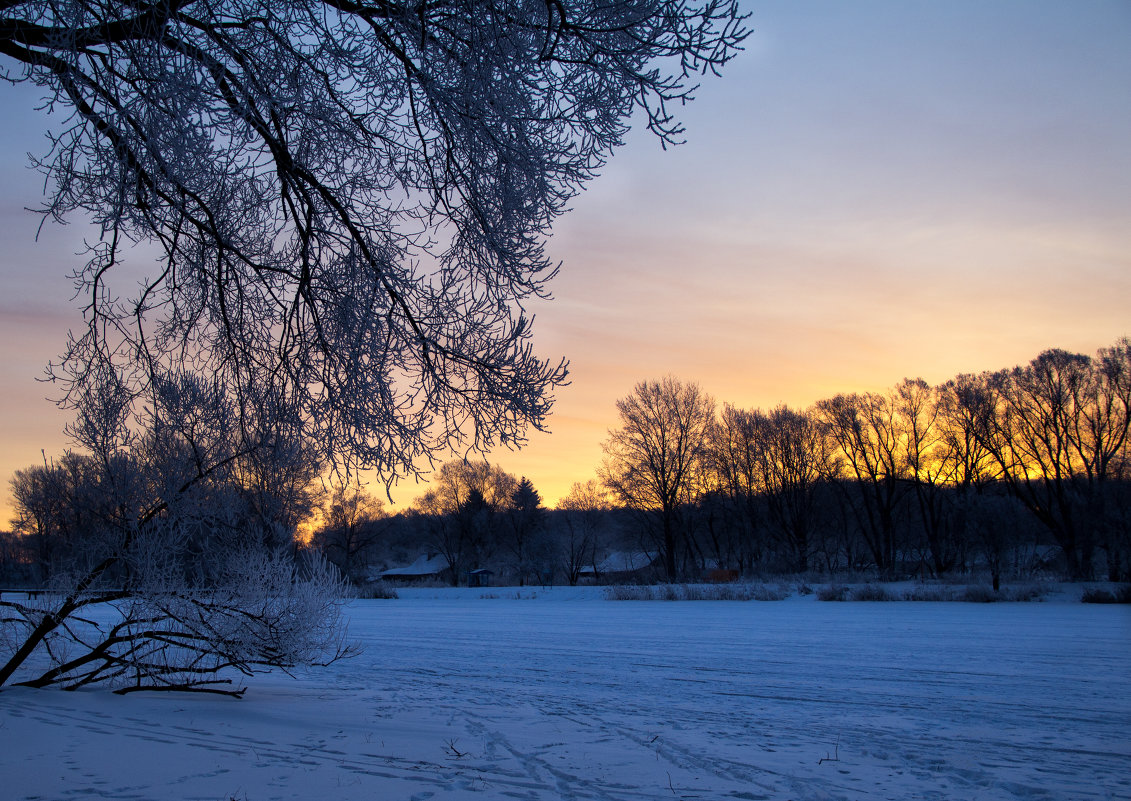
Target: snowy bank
[(562, 695)]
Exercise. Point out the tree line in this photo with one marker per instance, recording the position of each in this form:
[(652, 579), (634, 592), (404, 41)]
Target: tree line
[(1008, 472), (925, 479), (475, 516)]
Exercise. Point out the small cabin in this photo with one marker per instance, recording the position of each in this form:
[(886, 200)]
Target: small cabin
[(428, 567), (480, 577), (618, 567)]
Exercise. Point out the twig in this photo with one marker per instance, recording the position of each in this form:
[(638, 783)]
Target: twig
[(451, 749), (828, 758)]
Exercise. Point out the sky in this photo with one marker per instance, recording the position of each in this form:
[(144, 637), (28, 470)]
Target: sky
[(872, 190)]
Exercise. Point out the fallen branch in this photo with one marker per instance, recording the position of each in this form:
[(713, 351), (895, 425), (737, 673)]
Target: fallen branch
[(836, 752)]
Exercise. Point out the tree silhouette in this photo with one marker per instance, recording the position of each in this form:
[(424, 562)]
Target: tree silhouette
[(349, 201), (653, 458)]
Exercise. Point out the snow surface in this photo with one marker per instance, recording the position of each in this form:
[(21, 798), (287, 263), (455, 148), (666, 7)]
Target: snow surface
[(561, 695), (425, 565)]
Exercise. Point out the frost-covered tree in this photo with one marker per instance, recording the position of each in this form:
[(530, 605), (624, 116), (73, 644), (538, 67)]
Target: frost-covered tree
[(60, 504), (165, 573), (348, 201), (163, 629)]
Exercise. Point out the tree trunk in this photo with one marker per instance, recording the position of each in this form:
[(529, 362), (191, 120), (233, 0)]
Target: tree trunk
[(669, 546)]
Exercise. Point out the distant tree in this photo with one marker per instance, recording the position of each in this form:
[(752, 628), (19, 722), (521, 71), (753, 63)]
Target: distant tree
[(525, 519), (582, 510), (40, 508), (962, 406), (995, 526), (16, 562), (350, 529), (63, 508), (1105, 443), (737, 478), (653, 458), (1038, 407), (1058, 429), (794, 458), (458, 478), (282, 486), (462, 506), (588, 495), (968, 469), (864, 429), (928, 465)]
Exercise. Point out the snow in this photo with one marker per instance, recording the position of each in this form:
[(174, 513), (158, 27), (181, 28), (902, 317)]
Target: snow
[(536, 694), (425, 565), (620, 562)]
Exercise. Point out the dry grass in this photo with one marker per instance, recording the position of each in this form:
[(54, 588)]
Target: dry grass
[(1120, 594), (697, 592), (833, 592), (873, 592), (378, 590)]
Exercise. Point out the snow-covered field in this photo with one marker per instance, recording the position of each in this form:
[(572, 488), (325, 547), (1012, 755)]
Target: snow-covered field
[(565, 695)]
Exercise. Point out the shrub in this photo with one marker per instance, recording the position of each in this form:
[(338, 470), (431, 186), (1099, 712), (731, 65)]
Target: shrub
[(378, 590), (627, 592), (923, 592), (1097, 595), (764, 592), (980, 593), (1119, 595), (872, 592), (697, 592), (833, 592), (1026, 592)]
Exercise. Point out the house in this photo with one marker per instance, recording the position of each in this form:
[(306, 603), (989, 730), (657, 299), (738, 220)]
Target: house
[(427, 567), (479, 578), (620, 566)]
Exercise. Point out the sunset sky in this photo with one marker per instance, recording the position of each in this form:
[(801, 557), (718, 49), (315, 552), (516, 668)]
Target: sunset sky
[(873, 190)]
